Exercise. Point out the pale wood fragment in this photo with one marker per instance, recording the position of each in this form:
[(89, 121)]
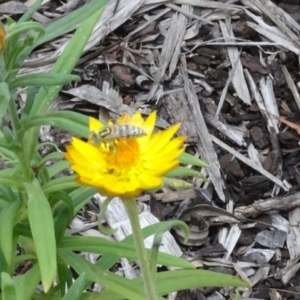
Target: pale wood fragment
[(238, 79), (284, 203), (171, 49), (291, 85), (293, 238), (234, 133), (289, 270), (250, 163), (260, 102), (267, 92), (229, 238), (179, 112), (205, 145), (282, 19), (262, 273)]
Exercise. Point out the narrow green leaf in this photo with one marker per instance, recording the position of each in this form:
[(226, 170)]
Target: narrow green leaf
[(64, 277), (185, 172), (43, 79), (4, 98), (9, 193), (69, 22), (108, 260), (41, 223), (31, 92), (7, 178), (7, 220), (60, 184), (71, 121), (7, 153), (176, 183), (15, 30), (26, 284), (119, 284), (3, 264), (63, 214), (29, 13), (82, 196), (186, 279), (58, 166), (7, 287), (121, 249), (172, 281), (188, 159), (164, 226), (75, 292), (65, 64), (22, 229)]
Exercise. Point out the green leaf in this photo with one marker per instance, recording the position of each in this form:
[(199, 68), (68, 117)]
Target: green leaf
[(71, 121), (63, 214), (7, 221), (3, 264), (43, 79), (75, 292), (31, 92), (4, 98), (108, 260), (17, 52), (60, 184), (26, 284), (185, 172), (7, 153), (22, 229), (176, 183), (186, 279), (81, 197), (69, 22), (8, 193), (65, 277), (188, 159), (41, 224), (121, 249), (65, 64), (164, 226), (7, 178), (15, 30), (7, 288), (171, 281), (58, 167), (29, 13), (119, 284)]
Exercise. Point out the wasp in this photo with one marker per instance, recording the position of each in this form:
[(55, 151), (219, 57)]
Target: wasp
[(108, 134)]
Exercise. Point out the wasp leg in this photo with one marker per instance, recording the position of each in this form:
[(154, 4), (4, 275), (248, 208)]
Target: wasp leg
[(94, 137)]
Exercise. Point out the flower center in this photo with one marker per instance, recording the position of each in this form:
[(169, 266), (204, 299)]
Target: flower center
[(121, 155)]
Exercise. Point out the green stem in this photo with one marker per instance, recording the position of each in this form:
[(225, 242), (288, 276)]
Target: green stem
[(149, 286), (15, 123)]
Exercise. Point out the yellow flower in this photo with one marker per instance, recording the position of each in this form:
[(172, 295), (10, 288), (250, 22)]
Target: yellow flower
[(133, 164), (2, 37)]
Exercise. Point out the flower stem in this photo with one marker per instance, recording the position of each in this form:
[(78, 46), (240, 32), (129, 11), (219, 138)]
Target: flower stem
[(149, 286)]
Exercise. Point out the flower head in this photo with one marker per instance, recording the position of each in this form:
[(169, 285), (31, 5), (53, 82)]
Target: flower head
[(126, 166)]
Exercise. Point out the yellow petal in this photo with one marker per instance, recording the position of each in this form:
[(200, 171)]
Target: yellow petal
[(94, 125), (150, 182), (161, 138), (148, 127)]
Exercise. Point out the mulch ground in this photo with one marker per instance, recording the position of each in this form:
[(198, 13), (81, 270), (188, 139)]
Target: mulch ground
[(229, 72)]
